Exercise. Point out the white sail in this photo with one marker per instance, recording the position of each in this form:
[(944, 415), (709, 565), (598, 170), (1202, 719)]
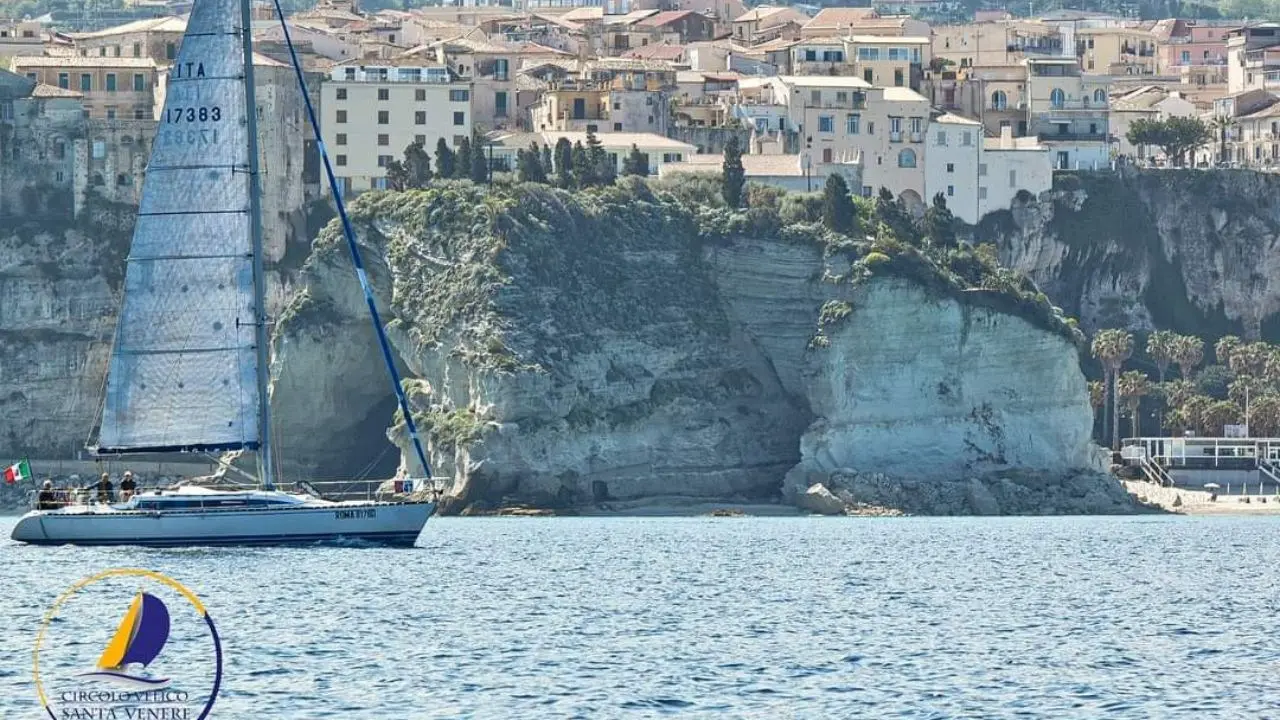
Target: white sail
[(183, 368)]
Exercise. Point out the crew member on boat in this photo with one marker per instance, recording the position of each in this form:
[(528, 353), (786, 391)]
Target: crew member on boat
[(106, 492), (127, 486), (47, 499)]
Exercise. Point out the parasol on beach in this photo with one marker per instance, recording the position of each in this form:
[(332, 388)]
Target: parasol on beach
[(1212, 486)]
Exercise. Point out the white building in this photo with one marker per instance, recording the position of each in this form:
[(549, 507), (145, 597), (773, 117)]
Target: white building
[(1009, 165), (952, 161), (370, 113)]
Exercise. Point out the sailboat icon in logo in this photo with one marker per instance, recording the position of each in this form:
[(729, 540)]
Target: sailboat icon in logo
[(139, 639)]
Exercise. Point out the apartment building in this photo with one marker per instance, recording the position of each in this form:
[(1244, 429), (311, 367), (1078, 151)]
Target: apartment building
[(154, 38), (1068, 111), (1182, 44), (609, 95), (1116, 51), (952, 162), (829, 23), (491, 68), (370, 113), (846, 119), (1150, 102), (24, 37), (766, 23), (111, 87), (1253, 52), (1010, 165), (996, 44)]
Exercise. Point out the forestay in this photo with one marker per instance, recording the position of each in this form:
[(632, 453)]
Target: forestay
[(183, 368)]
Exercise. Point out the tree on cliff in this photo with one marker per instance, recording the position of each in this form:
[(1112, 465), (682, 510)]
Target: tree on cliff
[(838, 211), (1175, 135), (1131, 387), (939, 224), (1222, 349), (548, 163), (1188, 353), (735, 176), (479, 170), (397, 176), (529, 165), (1097, 398), (603, 169), (417, 165), (583, 174), (445, 159), (462, 160), (894, 214), (1112, 347), (564, 163), (636, 163)]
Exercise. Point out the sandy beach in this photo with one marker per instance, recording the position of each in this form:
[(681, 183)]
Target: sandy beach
[(1197, 502)]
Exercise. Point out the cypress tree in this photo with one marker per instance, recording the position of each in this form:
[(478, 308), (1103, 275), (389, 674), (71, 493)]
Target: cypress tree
[(479, 161), (417, 164), (548, 165), (735, 177), (838, 211), (636, 163), (444, 159), (582, 171), (564, 163), (462, 160)]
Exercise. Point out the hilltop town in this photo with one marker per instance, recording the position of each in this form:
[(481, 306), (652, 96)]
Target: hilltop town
[(978, 112)]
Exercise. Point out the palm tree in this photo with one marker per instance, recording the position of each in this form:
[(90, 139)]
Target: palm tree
[(1176, 392), (1097, 398), (1264, 414), (1112, 347), (1220, 125), (1160, 346), (1130, 388), (1249, 359), (1219, 414), (1188, 353), (1193, 409), (1226, 345)]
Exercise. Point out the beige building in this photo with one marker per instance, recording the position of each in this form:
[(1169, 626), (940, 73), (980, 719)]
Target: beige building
[(21, 38), (370, 113), (1151, 102), (995, 44), (155, 38), (1253, 58), (768, 23), (846, 119), (1010, 166), (837, 22), (112, 87), (1116, 51)]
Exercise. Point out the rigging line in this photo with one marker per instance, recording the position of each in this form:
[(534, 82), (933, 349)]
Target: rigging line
[(347, 230)]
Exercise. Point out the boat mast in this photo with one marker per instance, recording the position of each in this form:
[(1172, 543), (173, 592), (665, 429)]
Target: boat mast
[(266, 464)]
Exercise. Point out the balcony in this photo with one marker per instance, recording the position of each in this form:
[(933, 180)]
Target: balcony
[(917, 137), (1073, 137), (895, 136)]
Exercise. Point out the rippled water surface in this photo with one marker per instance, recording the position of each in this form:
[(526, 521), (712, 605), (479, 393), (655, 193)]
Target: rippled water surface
[(733, 617)]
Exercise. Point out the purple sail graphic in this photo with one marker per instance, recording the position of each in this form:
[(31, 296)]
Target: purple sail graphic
[(150, 634), (139, 639)]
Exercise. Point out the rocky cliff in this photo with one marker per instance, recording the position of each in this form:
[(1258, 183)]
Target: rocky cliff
[(1187, 250), (625, 344)]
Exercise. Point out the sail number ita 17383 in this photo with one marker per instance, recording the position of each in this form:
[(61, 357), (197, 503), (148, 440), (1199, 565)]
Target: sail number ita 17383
[(193, 114)]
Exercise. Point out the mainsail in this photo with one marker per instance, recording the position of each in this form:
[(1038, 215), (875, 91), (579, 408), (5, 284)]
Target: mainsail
[(183, 369)]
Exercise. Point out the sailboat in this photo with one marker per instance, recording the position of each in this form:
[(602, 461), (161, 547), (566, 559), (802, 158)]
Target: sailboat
[(141, 636), (189, 366)]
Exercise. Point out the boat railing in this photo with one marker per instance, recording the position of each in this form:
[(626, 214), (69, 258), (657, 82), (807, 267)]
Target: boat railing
[(379, 489)]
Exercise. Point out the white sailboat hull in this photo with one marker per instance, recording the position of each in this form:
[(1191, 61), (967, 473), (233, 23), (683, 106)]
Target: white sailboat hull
[(396, 524)]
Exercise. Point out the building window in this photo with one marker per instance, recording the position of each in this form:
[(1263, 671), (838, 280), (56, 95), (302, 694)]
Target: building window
[(1100, 96), (384, 117), (342, 116), (898, 80), (139, 113), (384, 94), (137, 49), (123, 180), (1057, 98), (951, 167), (384, 140), (420, 139), (139, 82), (60, 177), (672, 157), (999, 101), (851, 124), (617, 127), (111, 113), (982, 169), (1186, 57), (815, 97), (384, 160), (916, 124), (982, 193), (99, 150), (895, 124), (1013, 178), (379, 183), (86, 82), (907, 158), (866, 191), (341, 93), (826, 123), (111, 82), (966, 138), (459, 95), (942, 138), (64, 81), (842, 98), (170, 51), (341, 160), (419, 117), (459, 118), (951, 190), (419, 95), (500, 104), (59, 150), (341, 139)]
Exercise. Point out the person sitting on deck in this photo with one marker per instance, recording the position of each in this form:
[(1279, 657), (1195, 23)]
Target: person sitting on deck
[(106, 493), (127, 486), (47, 500)]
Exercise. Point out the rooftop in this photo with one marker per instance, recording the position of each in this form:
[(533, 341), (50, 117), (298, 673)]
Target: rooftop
[(34, 61), (831, 81), (902, 94), (891, 40), (44, 90), (760, 13), (667, 17), (953, 119), (840, 17), (171, 23)]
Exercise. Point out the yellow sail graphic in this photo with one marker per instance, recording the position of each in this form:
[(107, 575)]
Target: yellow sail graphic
[(119, 644)]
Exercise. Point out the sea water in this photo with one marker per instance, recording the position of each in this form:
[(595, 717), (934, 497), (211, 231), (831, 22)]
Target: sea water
[(1129, 617)]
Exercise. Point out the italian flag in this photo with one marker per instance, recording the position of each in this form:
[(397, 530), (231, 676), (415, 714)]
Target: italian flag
[(17, 472)]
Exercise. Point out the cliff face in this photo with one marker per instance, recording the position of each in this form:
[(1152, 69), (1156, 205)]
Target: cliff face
[(607, 347), (1191, 251)]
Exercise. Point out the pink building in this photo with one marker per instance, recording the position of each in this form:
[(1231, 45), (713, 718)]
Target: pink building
[(1189, 43)]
